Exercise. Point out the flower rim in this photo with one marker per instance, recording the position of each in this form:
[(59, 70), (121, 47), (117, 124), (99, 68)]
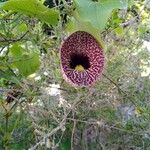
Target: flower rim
[(95, 69)]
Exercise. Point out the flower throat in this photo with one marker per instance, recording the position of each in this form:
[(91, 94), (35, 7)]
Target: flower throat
[(79, 62)]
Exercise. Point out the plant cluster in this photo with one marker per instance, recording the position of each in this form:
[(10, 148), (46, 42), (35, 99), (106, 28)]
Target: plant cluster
[(39, 110)]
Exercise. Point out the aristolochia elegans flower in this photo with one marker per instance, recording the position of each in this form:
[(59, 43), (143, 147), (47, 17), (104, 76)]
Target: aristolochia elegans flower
[(82, 59)]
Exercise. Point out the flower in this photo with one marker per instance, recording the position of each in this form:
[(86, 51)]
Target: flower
[(82, 59)]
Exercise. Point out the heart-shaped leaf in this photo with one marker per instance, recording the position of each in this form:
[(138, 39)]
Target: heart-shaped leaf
[(97, 12)]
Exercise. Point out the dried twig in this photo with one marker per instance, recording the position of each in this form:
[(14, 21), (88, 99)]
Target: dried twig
[(61, 124)]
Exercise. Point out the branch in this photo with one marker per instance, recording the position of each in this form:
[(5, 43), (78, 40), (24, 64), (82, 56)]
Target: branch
[(4, 40), (119, 88), (114, 83), (102, 124), (61, 124)]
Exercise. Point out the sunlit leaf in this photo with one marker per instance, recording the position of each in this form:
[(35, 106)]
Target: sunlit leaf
[(119, 30), (98, 12), (33, 8), (22, 27), (26, 63)]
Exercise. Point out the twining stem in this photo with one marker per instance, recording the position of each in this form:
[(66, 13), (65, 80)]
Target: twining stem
[(119, 89)]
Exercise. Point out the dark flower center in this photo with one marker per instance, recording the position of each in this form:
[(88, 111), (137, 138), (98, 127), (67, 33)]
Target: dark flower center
[(95, 0), (79, 59)]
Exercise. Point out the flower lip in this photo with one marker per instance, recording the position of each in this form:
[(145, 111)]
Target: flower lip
[(82, 59), (77, 59)]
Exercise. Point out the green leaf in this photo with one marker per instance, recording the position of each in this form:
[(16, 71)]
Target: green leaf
[(16, 50), (27, 63), (33, 8), (143, 28), (131, 2), (119, 30), (22, 27), (80, 25), (97, 13), (6, 74), (65, 145)]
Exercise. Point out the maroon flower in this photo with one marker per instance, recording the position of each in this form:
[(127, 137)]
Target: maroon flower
[(82, 59)]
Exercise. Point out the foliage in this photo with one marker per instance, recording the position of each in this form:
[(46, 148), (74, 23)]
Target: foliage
[(97, 12), (38, 110), (33, 8), (26, 63)]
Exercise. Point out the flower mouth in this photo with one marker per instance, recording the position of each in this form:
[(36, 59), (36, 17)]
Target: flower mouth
[(79, 62), (82, 59)]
